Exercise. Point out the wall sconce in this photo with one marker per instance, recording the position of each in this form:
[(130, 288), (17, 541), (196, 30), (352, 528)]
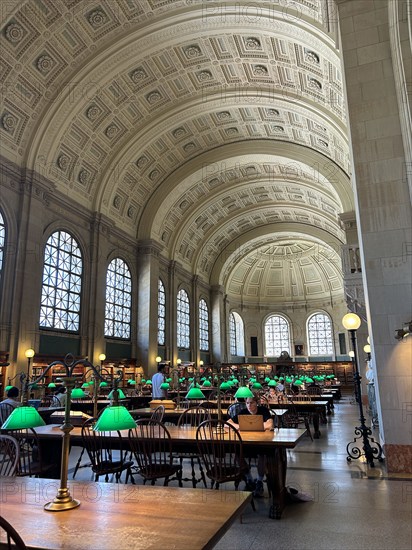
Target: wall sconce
[(403, 332), (158, 359), (367, 350)]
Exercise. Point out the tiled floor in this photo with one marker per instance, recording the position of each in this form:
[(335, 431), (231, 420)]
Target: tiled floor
[(354, 506)]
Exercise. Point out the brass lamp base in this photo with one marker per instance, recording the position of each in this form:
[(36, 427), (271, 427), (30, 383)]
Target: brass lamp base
[(62, 502)]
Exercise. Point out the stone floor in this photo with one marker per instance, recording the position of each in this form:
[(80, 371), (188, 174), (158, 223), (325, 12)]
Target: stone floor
[(353, 507)]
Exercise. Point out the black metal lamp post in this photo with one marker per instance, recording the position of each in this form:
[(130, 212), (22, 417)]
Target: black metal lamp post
[(371, 449)]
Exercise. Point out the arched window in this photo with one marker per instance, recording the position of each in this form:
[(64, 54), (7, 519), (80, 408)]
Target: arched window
[(277, 336), (62, 283), (203, 326), (118, 313), (2, 242), (236, 334), (183, 320), (161, 314), (320, 335)]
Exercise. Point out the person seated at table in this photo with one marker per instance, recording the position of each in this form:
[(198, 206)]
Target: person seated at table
[(12, 398), (280, 387), (253, 407), (272, 394), (59, 397)]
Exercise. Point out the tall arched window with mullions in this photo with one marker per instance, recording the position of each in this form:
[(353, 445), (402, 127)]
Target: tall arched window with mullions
[(118, 311), (320, 335), (277, 336), (236, 334), (62, 283), (161, 314), (183, 320), (2, 243), (203, 326)]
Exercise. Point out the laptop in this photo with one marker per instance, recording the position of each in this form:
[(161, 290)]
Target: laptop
[(250, 423)]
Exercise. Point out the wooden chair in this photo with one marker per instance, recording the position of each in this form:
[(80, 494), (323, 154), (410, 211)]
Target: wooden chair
[(235, 408), (152, 450), (158, 413), (292, 419), (31, 461), (224, 462), (5, 411), (13, 539), (50, 401), (192, 417), (105, 452), (9, 455)]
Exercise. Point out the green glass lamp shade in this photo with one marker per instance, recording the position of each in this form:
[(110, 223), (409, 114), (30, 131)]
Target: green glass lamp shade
[(23, 417), (143, 380), (165, 386), (207, 384), (120, 395), (190, 379), (34, 386), (103, 384), (309, 380), (114, 418), (225, 386), (7, 388), (252, 380), (195, 393), (85, 385), (267, 379), (289, 380), (131, 382), (78, 393), (148, 382), (272, 384), (91, 382), (257, 386), (235, 381), (168, 380), (51, 385), (298, 382), (203, 378), (243, 393)]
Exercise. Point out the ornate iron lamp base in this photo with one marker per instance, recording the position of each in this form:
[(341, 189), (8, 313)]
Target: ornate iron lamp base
[(371, 449)]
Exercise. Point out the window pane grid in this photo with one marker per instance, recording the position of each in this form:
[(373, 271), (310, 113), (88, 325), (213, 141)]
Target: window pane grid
[(118, 300), (61, 289), (203, 326), (183, 320), (161, 314), (236, 334), (277, 336), (320, 335)]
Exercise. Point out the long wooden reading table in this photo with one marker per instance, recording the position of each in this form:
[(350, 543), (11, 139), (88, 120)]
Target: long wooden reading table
[(272, 444), (125, 517)]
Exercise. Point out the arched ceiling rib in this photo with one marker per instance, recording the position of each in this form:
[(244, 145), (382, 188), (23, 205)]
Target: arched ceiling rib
[(188, 125)]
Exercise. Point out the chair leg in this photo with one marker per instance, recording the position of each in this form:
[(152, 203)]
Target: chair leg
[(194, 480), (202, 473)]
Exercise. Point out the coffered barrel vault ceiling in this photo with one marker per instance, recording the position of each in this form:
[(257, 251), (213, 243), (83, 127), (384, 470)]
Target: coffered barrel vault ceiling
[(217, 129)]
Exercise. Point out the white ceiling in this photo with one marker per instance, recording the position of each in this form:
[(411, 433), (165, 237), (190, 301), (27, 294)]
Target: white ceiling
[(209, 127)]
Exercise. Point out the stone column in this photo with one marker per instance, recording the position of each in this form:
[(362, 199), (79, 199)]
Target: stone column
[(147, 276), (218, 324), (374, 36), (194, 324)]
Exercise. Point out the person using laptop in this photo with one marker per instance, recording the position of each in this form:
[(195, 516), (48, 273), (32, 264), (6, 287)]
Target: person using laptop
[(253, 407)]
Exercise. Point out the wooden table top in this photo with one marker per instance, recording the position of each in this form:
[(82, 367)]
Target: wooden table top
[(119, 516), (147, 411), (299, 403), (285, 437)]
